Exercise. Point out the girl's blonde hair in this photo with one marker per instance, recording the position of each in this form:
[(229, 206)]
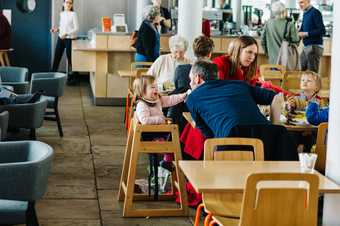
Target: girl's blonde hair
[(140, 84), (315, 76)]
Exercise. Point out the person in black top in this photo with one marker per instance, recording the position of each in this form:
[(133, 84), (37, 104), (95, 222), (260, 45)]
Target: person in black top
[(165, 17), (5, 32), (203, 47), (311, 31), (148, 37)]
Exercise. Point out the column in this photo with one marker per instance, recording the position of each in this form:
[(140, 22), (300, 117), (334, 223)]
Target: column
[(190, 21), (332, 202), (236, 7), (140, 5)]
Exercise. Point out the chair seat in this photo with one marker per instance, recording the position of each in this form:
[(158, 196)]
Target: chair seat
[(224, 221), (12, 212), (226, 205), (50, 101)]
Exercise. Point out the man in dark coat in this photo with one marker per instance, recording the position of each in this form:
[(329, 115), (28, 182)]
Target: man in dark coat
[(5, 32)]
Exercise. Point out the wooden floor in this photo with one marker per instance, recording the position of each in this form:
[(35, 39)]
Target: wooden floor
[(86, 170)]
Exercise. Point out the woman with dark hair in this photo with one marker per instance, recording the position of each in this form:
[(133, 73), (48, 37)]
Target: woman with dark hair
[(68, 28), (148, 41), (240, 63)]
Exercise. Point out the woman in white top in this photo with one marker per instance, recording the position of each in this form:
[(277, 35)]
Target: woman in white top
[(163, 69), (68, 28)]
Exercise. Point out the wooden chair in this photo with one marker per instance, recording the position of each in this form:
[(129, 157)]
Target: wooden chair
[(268, 204), (4, 59), (135, 146), (273, 73), (321, 147), (291, 81), (227, 204)]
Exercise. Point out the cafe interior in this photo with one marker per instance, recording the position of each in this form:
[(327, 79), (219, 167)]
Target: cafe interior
[(169, 112)]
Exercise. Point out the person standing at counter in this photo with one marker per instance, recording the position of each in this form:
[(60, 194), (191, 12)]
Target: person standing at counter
[(5, 32), (68, 28), (165, 20), (148, 37), (312, 31), (274, 32)]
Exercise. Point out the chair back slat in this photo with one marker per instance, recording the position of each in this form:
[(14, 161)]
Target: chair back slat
[(321, 147)]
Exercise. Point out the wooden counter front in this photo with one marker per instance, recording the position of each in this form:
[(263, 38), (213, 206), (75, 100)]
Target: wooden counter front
[(110, 53)]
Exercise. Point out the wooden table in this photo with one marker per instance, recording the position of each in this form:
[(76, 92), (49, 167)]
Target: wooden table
[(129, 74), (300, 128), (230, 176)]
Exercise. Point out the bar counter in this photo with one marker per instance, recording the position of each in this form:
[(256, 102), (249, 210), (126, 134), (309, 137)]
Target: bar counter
[(107, 53)]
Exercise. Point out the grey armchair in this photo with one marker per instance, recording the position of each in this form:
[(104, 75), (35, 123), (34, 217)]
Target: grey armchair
[(17, 77), (28, 116), (53, 85), (24, 170), (3, 125)]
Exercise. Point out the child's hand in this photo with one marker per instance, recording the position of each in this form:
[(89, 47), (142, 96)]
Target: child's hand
[(291, 103)]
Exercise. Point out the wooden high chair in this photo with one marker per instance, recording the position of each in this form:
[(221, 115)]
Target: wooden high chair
[(291, 81), (227, 204), (269, 204), (134, 147)]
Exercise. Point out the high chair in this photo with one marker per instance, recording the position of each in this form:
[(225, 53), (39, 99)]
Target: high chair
[(273, 73), (135, 146), (227, 204), (4, 59)]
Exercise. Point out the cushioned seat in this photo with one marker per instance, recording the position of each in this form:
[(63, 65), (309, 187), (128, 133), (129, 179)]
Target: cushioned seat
[(17, 77), (53, 85), (12, 212), (24, 171)]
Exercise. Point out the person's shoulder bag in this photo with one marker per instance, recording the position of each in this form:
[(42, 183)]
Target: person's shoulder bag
[(288, 54)]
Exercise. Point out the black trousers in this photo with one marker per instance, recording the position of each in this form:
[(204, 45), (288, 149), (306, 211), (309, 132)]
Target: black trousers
[(62, 44)]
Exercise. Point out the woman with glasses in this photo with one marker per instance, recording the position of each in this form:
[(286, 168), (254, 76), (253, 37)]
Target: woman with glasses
[(68, 28)]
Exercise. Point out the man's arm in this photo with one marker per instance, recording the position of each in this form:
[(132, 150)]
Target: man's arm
[(200, 124), (262, 96)]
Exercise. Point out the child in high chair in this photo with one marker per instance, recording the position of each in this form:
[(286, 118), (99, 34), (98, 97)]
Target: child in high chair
[(149, 109), (310, 85)]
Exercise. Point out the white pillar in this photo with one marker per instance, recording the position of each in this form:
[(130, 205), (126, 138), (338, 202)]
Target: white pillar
[(333, 147), (190, 21), (236, 7), (140, 5), (332, 202)]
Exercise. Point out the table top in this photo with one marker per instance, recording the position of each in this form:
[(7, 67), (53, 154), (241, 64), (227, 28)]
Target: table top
[(230, 176), (297, 128)]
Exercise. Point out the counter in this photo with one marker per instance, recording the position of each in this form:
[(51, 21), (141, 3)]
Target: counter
[(109, 52)]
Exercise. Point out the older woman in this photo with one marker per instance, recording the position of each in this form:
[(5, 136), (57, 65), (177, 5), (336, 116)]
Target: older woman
[(148, 38), (164, 67), (273, 33)]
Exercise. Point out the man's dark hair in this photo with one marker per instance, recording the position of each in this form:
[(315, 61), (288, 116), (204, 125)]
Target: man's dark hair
[(203, 46), (205, 69)]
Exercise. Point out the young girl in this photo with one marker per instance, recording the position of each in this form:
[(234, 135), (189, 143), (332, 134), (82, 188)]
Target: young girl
[(149, 108), (68, 28), (310, 85)]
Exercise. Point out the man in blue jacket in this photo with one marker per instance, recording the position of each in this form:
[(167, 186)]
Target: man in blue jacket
[(217, 106), (312, 31)]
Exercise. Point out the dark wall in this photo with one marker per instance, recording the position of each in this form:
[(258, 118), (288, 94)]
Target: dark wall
[(31, 38)]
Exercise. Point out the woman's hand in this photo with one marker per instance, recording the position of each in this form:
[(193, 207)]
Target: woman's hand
[(54, 30)]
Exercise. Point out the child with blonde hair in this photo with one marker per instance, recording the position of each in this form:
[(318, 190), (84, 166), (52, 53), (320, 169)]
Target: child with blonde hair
[(310, 85), (149, 109)]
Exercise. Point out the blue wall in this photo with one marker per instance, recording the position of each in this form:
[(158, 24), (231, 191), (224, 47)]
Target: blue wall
[(31, 38)]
